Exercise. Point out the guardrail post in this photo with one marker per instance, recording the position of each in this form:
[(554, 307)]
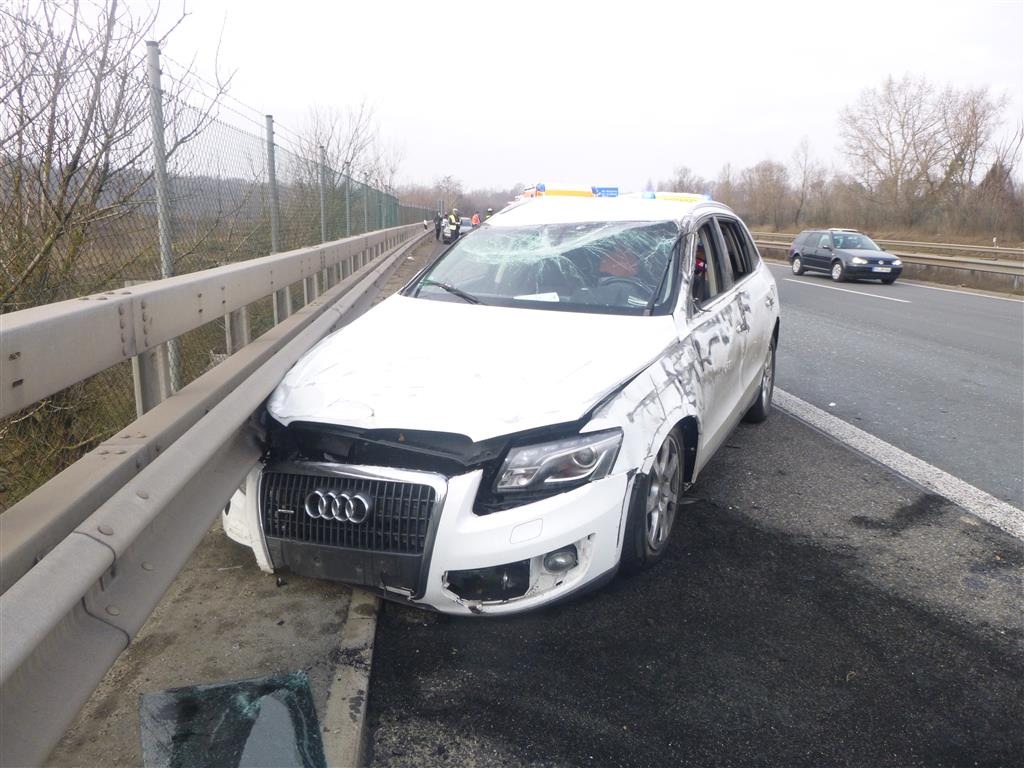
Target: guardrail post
[(282, 305), (309, 290), (151, 374), (236, 330), (163, 195)]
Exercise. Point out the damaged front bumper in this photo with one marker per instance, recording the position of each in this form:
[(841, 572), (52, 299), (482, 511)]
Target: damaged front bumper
[(429, 549)]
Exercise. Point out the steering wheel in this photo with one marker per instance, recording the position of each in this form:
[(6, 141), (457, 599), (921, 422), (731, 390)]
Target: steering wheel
[(632, 282)]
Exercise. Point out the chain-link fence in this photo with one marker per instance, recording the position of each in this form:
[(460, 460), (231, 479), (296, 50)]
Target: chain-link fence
[(81, 212)]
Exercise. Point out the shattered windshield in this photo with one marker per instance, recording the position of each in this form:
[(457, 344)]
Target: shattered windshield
[(606, 267)]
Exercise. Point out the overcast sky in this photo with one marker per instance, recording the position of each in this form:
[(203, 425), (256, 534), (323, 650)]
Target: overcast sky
[(592, 92)]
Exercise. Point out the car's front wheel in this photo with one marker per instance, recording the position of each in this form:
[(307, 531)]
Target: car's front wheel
[(653, 509), (797, 266), (838, 271)]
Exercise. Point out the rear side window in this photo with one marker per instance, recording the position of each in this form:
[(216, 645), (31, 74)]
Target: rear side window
[(807, 239), (736, 252)]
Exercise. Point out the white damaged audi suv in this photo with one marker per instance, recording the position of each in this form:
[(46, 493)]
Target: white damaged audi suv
[(522, 419)]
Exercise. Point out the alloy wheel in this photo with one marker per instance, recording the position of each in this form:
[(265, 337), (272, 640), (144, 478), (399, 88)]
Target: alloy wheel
[(663, 494)]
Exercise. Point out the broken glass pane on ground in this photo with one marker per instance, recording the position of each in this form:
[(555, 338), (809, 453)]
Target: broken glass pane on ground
[(267, 721)]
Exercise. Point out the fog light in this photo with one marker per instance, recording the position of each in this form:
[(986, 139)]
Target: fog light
[(500, 582), (561, 559)]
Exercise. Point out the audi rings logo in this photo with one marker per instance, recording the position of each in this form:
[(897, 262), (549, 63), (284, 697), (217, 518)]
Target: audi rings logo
[(338, 505)]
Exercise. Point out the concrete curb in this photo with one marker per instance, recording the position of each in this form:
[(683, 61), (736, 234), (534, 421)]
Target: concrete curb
[(344, 736), (344, 721)]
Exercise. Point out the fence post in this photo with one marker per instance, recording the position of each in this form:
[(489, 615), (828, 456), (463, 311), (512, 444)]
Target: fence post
[(346, 169), (366, 205), (282, 298), (309, 286), (323, 195), (163, 196)]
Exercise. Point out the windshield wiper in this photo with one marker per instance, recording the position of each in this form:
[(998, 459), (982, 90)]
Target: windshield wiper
[(452, 289)]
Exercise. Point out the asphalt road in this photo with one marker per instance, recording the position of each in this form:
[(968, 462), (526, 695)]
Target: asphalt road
[(937, 373), (815, 608), (802, 618), (798, 620)]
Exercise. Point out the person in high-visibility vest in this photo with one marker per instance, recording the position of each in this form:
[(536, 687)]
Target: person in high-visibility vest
[(476, 218), (490, 212), (455, 221)]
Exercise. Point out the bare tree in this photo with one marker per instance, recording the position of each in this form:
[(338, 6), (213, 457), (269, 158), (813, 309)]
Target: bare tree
[(765, 190), (76, 194), (997, 203), (451, 190), (684, 180), (969, 121), (74, 138), (808, 175), (915, 149), (724, 188), (894, 139), (348, 137), (383, 164)]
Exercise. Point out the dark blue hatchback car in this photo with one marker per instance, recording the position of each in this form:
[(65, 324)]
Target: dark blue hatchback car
[(845, 254)]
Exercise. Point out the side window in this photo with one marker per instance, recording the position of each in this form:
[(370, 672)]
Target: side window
[(808, 239), (707, 276), (825, 240), (737, 255), (753, 256)]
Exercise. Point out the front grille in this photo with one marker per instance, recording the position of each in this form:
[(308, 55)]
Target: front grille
[(398, 522)]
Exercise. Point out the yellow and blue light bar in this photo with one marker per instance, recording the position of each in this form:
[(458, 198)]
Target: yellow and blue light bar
[(540, 190), (678, 197)]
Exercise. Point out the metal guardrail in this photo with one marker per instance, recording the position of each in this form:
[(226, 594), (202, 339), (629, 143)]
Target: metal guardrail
[(1003, 275), (1016, 254), (85, 559)]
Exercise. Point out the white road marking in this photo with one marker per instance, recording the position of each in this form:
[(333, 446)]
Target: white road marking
[(907, 282), (965, 293), (974, 500), (847, 290)]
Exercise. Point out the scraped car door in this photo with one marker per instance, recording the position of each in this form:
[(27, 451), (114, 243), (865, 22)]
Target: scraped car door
[(714, 316)]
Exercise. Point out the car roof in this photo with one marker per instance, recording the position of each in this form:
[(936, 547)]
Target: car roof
[(572, 209)]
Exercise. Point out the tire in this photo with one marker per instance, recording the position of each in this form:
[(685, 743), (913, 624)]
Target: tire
[(838, 271), (762, 406), (888, 280), (797, 265), (653, 508)]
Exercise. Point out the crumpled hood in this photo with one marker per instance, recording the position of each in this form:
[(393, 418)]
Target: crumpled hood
[(470, 369)]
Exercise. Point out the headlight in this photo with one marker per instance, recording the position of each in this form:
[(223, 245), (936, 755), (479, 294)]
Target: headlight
[(574, 460), (858, 260), (897, 263)]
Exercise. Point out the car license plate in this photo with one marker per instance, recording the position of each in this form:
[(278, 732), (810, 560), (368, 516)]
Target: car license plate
[(881, 269)]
